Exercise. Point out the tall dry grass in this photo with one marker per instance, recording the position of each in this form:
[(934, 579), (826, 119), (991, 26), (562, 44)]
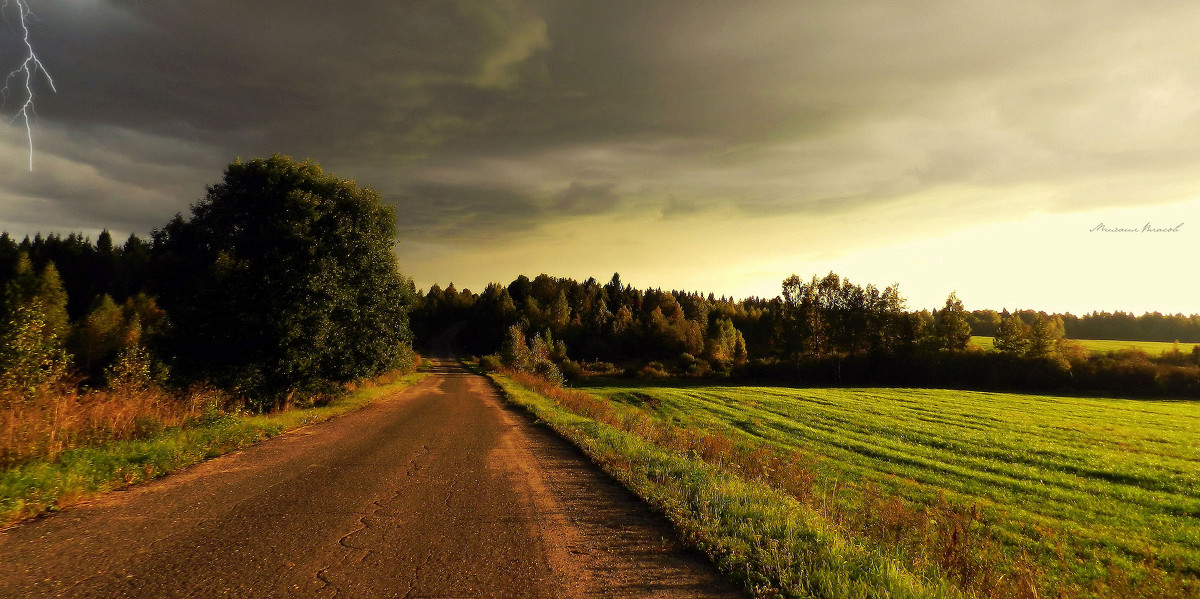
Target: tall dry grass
[(59, 418)]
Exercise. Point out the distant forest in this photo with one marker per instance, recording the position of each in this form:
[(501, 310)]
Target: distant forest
[(1122, 326), (88, 270), (548, 303), (92, 269), (823, 330)]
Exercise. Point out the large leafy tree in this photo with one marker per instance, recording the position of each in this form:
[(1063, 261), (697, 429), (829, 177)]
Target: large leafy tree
[(283, 281), (1045, 336), (1012, 336)]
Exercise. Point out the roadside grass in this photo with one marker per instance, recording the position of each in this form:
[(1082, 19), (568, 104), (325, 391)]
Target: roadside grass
[(33, 487), (894, 492), (1096, 497), (61, 417), (720, 497), (1103, 346)]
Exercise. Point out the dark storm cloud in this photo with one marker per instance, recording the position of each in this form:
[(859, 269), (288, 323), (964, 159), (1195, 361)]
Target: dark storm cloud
[(462, 213), (484, 117), (585, 198), (150, 88), (350, 79)]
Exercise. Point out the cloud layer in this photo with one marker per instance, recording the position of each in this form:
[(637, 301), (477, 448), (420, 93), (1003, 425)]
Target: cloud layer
[(489, 122)]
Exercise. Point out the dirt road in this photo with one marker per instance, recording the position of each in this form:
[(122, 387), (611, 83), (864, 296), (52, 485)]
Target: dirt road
[(439, 491)]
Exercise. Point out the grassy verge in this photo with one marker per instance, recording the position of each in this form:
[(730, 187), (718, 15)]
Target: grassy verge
[(32, 488), (893, 492), (763, 537)]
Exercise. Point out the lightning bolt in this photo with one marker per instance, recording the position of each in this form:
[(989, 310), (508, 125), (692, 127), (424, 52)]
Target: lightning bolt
[(26, 71)]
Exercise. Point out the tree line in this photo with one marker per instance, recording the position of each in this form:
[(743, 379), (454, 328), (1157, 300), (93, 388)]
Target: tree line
[(822, 330), (280, 286), (614, 322), (1122, 326)]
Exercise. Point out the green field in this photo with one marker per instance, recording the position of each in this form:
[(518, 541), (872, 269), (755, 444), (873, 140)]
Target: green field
[(1101, 346), (1081, 486)]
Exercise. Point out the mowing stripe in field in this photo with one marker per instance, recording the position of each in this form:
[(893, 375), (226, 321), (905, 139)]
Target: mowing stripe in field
[(1105, 475)]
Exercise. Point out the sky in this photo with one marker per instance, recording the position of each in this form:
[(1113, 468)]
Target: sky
[(1023, 154)]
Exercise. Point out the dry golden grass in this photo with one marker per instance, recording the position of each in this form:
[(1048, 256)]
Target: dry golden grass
[(59, 447), (60, 418)]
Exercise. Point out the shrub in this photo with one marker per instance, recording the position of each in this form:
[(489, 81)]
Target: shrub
[(1179, 380), (491, 363), (653, 370), (572, 371), (603, 368), (550, 372)]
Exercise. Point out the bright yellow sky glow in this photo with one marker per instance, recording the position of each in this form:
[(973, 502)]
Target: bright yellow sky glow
[(1052, 262), (1047, 262)]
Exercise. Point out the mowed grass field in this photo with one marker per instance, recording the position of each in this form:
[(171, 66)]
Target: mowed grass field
[(1083, 487), (1102, 346)]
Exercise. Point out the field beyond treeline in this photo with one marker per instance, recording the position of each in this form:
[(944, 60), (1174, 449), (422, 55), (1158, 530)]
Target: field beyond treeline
[(1103, 346), (1095, 495)]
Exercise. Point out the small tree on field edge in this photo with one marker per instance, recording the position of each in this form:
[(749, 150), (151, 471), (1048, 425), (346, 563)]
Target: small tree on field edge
[(952, 329)]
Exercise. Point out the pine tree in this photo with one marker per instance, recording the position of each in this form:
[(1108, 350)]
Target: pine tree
[(952, 329), (515, 351)]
